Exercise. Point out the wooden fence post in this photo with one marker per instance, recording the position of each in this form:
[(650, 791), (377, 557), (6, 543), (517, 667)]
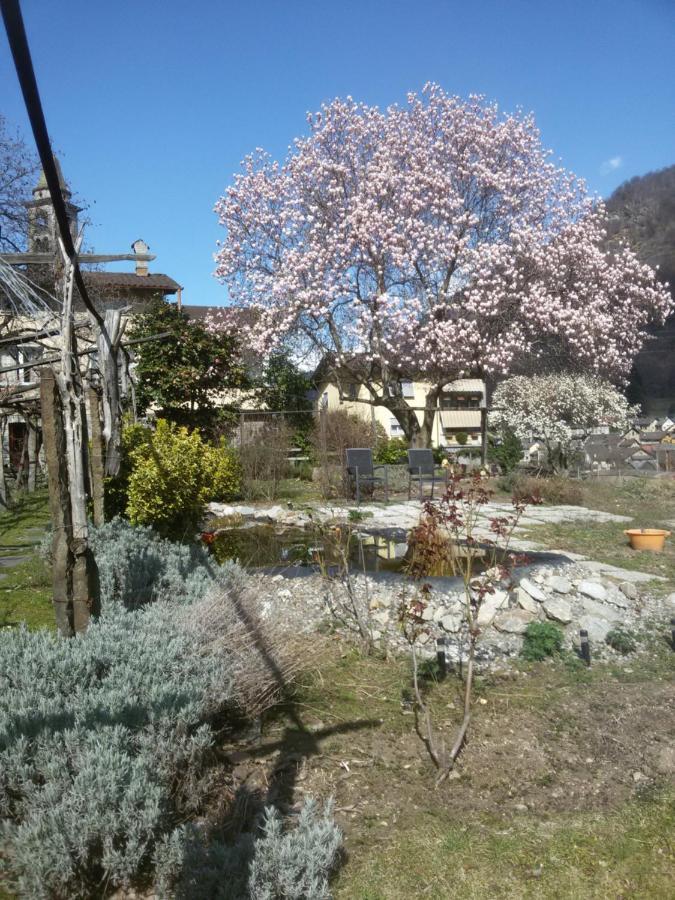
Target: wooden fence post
[(97, 463), (59, 502)]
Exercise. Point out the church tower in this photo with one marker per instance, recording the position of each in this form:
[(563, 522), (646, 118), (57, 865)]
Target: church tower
[(42, 228)]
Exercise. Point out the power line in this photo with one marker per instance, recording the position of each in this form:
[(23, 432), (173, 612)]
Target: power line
[(18, 42)]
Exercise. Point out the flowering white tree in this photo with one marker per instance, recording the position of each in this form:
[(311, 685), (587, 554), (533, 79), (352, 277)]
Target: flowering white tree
[(556, 409), (428, 242)]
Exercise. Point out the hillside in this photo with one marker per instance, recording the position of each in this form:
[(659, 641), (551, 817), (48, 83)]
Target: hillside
[(642, 212)]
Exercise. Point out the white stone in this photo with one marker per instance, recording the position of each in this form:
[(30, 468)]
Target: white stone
[(670, 601), (617, 598), (560, 585), (490, 605), (284, 595), (428, 614), (273, 513), (513, 621), (535, 592), (382, 617), (557, 609), (451, 623), (596, 627), (592, 589), (526, 602), (629, 589), (600, 610)]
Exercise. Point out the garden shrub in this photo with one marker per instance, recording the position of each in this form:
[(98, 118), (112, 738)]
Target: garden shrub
[(117, 489), (281, 864), (621, 640), (105, 738), (392, 452), (541, 640), (224, 466), (506, 450), (556, 489), (173, 475), (136, 565)]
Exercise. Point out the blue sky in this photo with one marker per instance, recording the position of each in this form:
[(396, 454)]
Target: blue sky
[(152, 105)]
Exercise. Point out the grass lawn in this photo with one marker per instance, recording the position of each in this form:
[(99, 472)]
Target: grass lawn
[(25, 591), (650, 502), (561, 791)]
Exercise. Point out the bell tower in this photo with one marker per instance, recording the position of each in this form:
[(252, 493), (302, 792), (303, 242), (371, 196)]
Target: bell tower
[(42, 227)]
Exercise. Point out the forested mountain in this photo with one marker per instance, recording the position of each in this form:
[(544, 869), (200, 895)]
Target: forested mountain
[(642, 212)]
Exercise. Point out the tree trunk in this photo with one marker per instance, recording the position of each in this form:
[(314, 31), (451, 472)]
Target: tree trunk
[(417, 434), (3, 480), (54, 440), (97, 465), (32, 452)]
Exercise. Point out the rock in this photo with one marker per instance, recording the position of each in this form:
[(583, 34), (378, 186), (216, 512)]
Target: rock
[(596, 627), (513, 621), (451, 623), (630, 590), (428, 614), (381, 617), (535, 592), (526, 602), (490, 605), (600, 610), (557, 609), (559, 584), (592, 589), (670, 601), (284, 595), (274, 513), (617, 598)]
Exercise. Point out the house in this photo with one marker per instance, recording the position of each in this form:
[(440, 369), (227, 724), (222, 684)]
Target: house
[(132, 290), (459, 423), (617, 451), (646, 423)]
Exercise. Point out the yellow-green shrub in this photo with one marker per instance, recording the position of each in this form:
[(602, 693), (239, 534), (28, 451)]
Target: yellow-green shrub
[(225, 469), (173, 475)]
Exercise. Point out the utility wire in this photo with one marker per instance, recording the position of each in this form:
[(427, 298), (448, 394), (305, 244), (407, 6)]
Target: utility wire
[(18, 42)]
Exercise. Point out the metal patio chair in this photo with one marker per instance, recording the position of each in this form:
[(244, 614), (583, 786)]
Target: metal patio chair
[(361, 468), (423, 469)]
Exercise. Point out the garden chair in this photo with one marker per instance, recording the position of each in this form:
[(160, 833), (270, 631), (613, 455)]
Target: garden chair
[(360, 467), (423, 469)]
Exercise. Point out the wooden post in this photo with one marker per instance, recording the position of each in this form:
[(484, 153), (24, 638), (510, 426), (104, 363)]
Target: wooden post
[(97, 462), (32, 452), (59, 502), (483, 435), (3, 481)]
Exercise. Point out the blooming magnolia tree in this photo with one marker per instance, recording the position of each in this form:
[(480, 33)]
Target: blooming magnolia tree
[(428, 242), (558, 410)]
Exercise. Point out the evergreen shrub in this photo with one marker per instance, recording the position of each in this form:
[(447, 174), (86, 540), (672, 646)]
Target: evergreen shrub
[(280, 864), (173, 475), (105, 738)]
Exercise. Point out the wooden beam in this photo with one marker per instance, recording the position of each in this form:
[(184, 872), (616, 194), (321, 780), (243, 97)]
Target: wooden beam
[(45, 259)]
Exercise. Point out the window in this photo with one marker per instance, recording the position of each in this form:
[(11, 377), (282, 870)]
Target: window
[(460, 401), (408, 390), (395, 429), (349, 391)]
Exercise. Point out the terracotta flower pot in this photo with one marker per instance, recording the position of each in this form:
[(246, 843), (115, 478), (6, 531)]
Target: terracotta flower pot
[(647, 538)]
